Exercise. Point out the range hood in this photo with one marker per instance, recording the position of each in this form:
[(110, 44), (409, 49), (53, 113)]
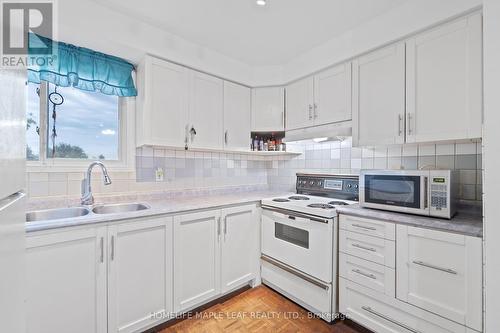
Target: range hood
[(331, 131)]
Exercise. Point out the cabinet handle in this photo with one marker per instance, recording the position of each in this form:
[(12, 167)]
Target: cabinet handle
[(364, 227), (218, 226), (400, 127), (102, 250), (225, 225), (112, 247), (310, 112), (315, 110), (371, 276), (371, 249), (378, 314), (225, 137), (446, 270), (409, 123)]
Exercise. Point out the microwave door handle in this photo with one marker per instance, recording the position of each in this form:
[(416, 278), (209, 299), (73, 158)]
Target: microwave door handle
[(426, 192)]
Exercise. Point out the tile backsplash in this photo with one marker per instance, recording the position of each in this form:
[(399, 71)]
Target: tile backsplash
[(187, 170), (341, 157)]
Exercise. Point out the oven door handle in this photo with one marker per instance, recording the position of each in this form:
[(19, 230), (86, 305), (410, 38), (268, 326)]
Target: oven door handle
[(292, 215), (294, 272)]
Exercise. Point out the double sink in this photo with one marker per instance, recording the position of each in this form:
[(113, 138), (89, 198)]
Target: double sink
[(73, 212)]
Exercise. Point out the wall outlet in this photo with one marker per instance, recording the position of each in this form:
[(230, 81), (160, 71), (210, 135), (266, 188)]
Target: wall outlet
[(159, 174)]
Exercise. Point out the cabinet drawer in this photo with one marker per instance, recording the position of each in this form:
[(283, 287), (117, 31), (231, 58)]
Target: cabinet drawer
[(378, 250), (441, 273), (384, 314), (311, 296), (369, 227), (368, 274)]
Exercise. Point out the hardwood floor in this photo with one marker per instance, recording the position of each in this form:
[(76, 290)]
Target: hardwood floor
[(258, 310)]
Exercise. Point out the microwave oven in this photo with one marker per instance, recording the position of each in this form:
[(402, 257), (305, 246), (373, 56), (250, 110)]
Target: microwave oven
[(422, 192)]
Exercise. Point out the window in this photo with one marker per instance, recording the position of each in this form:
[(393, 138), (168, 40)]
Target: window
[(87, 126)]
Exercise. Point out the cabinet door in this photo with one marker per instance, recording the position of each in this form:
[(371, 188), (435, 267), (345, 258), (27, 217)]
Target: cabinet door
[(379, 97), (332, 95), (237, 108), (196, 259), (268, 109), (66, 281), (240, 246), (162, 103), (441, 273), (206, 111), (299, 104), (140, 274), (444, 82)]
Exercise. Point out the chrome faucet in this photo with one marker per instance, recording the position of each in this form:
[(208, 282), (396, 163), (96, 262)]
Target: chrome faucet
[(87, 197)]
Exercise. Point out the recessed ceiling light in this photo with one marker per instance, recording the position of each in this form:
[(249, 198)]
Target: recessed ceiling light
[(261, 2)]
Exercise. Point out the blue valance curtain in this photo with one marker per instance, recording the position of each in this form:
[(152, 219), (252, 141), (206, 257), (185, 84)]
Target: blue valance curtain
[(82, 68)]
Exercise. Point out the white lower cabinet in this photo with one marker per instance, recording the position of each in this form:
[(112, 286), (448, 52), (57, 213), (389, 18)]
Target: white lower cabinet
[(442, 273), (66, 281), (196, 258), (240, 246), (139, 274), (132, 275), (385, 314), (214, 252), (435, 285)]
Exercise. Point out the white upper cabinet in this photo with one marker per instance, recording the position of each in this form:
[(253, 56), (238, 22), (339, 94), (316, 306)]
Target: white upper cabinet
[(139, 274), (332, 95), (444, 82), (237, 115), (206, 109), (66, 283), (378, 98), (162, 103), (268, 109), (300, 104), (321, 99)]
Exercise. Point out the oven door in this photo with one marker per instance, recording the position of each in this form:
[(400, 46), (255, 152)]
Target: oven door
[(303, 243), (404, 192)]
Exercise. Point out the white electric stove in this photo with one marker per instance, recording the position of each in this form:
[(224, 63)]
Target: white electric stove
[(299, 240)]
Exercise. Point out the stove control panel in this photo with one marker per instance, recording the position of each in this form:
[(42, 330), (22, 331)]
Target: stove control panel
[(346, 186)]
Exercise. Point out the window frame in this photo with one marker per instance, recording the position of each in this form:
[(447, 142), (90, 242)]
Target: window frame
[(126, 141)]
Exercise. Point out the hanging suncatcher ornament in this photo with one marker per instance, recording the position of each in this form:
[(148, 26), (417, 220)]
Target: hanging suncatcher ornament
[(56, 99)]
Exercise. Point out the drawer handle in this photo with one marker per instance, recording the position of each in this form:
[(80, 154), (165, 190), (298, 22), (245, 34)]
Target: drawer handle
[(446, 270), (378, 314), (364, 227), (290, 270), (371, 249), (371, 276)]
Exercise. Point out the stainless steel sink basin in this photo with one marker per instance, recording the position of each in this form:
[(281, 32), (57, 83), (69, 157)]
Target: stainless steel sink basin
[(119, 208), (56, 214)]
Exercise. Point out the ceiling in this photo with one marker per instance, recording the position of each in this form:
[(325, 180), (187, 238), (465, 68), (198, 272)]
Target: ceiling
[(258, 36)]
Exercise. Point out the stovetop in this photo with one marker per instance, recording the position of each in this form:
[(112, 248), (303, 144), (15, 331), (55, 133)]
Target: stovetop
[(318, 194), (312, 205)]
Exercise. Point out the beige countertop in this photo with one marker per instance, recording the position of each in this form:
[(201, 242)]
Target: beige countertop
[(464, 223), (159, 206)]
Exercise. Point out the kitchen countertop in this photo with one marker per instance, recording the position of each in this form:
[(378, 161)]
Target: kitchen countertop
[(159, 206), (469, 224)]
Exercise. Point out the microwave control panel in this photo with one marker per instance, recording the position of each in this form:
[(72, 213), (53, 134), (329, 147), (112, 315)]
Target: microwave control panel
[(439, 193)]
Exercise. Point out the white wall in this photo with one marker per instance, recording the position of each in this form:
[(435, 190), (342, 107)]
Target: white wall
[(87, 23), (491, 143), (412, 16)]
